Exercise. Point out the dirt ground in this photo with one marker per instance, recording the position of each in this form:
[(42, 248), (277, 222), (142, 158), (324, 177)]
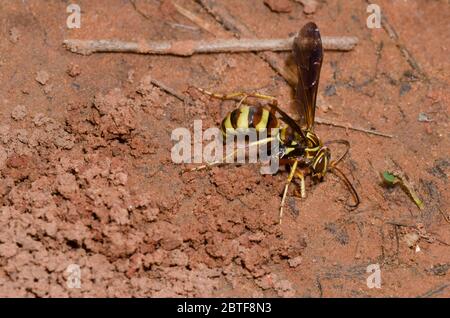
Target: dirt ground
[(87, 177)]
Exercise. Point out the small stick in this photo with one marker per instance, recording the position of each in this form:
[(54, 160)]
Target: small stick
[(184, 26), (170, 90), (434, 291), (194, 18), (397, 223), (188, 48), (445, 216), (349, 126)]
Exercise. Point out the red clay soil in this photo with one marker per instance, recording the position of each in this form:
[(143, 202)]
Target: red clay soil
[(87, 177)]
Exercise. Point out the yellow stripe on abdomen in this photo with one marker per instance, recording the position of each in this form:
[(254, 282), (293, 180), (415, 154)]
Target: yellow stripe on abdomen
[(264, 119), (242, 121), (227, 127)]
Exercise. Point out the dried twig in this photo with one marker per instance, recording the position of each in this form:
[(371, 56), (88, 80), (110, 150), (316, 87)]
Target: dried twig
[(187, 48), (397, 246), (143, 14), (434, 291), (194, 18), (183, 26), (445, 216), (399, 223), (170, 91), (349, 126)]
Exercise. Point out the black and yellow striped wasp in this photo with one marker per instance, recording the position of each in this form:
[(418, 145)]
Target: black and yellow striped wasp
[(300, 148)]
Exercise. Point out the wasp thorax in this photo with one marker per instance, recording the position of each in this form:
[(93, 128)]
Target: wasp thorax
[(289, 137)]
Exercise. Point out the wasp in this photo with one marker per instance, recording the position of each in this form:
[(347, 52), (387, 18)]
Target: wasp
[(300, 148)]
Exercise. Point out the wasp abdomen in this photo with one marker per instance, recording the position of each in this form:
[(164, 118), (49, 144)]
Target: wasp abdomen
[(246, 117)]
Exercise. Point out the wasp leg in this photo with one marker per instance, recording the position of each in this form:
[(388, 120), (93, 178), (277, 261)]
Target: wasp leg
[(301, 176), (351, 188), (286, 187), (232, 154)]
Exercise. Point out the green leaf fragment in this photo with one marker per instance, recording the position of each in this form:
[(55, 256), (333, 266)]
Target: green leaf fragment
[(391, 179)]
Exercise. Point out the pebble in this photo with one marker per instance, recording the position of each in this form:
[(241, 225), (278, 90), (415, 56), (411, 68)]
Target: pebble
[(19, 112), (42, 77)]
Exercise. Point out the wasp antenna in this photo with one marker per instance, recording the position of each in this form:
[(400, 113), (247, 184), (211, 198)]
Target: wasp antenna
[(347, 182), (342, 142)]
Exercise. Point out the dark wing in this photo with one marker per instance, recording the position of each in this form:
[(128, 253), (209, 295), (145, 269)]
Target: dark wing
[(288, 120), (308, 55)]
